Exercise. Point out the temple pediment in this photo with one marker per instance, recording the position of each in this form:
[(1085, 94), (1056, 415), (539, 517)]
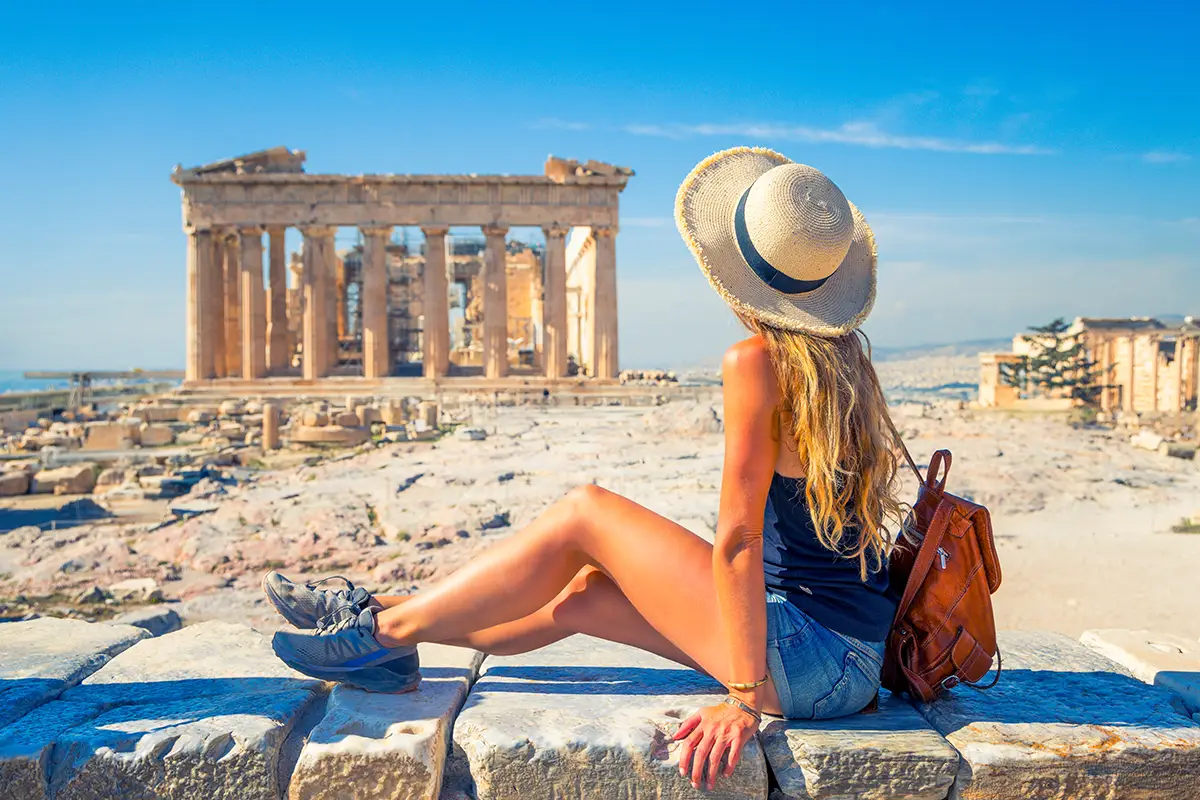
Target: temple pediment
[(276, 159)]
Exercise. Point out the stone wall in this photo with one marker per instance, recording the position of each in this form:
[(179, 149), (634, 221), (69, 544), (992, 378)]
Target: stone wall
[(102, 710)]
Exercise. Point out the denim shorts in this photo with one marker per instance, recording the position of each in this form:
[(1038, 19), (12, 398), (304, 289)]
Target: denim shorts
[(818, 673)]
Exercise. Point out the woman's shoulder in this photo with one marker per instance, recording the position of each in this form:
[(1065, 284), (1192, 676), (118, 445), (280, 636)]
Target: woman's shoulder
[(747, 365)]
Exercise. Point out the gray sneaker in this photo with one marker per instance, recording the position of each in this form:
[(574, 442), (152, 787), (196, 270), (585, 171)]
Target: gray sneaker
[(305, 606), (344, 649)]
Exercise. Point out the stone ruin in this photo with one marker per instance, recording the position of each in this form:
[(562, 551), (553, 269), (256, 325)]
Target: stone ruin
[(108, 710), (366, 311), (161, 449)]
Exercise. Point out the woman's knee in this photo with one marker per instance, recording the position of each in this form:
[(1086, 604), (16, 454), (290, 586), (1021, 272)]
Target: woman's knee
[(580, 601), (580, 507)]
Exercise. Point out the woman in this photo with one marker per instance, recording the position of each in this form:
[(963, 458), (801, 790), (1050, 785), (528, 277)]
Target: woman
[(789, 608)]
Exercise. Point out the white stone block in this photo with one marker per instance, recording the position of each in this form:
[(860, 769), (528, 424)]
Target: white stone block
[(1162, 659), (888, 755), (584, 718), (42, 657), (393, 745), (1065, 722), (203, 712)]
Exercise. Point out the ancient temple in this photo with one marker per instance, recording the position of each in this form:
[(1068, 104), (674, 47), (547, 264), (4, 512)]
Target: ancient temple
[(384, 307)]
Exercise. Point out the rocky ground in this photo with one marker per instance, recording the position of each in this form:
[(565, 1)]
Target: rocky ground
[(1082, 519)]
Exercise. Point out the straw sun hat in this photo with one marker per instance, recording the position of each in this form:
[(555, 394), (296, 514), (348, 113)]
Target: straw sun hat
[(779, 241)]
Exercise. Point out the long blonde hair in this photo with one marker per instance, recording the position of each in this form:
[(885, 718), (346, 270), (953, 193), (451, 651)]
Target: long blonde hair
[(837, 415)]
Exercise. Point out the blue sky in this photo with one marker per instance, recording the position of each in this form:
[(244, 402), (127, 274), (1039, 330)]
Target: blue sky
[(1018, 161)]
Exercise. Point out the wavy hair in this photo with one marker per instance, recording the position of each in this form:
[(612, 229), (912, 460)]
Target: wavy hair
[(835, 412)]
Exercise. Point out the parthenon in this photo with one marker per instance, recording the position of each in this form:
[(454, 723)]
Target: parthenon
[(382, 306)]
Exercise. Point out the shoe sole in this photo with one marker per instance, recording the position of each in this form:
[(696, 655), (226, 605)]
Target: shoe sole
[(281, 607), (381, 679)]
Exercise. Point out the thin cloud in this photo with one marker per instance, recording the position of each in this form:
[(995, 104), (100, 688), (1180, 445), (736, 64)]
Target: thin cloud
[(860, 134), (1165, 157), (556, 124)]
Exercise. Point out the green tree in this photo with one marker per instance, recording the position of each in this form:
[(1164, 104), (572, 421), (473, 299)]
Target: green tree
[(1057, 365)]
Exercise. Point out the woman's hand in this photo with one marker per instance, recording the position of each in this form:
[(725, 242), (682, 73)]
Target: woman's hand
[(707, 735)]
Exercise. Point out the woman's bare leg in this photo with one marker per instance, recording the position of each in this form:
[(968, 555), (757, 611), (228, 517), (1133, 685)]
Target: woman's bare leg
[(662, 595), (591, 604)]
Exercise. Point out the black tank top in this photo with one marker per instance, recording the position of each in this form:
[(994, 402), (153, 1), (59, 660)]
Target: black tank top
[(820, 582)]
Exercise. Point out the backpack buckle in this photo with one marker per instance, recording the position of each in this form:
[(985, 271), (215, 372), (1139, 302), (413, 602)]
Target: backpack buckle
[(949, 682)]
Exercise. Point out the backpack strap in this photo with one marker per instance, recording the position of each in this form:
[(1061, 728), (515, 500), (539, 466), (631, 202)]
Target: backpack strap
[(925, 556)]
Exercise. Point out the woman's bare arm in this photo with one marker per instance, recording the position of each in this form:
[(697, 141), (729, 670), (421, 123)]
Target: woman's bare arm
[(751, 450)]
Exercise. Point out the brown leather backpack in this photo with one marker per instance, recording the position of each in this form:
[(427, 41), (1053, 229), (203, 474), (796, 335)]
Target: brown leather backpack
[(945, 568)]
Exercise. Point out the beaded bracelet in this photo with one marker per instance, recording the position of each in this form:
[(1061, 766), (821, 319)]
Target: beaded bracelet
[(730, 700)]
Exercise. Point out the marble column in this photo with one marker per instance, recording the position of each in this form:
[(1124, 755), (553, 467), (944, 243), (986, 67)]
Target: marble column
[(233, 305), (554, 303), (377, 360), (334, 307), (495, 303), (200, 275), (277, 323), (254, 305), (604, 322), (216, 305), (1176, 403), (435, 338), (1130, 375), (318, 273)]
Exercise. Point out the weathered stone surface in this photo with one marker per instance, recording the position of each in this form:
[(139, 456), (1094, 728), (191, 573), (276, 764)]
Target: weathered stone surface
[(393, 745), (1065, 722), (203, 712), (26, 745), (155, 620), (585, 718), (13, 483), (73, 479), (329, 434), (156, 435), (1162, 659), (41, 657), (115, 435), (893, 753), (137, 589)]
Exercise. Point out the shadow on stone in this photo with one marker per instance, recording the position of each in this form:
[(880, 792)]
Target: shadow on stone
[(75, 512), (644, 681), (1065, 698)]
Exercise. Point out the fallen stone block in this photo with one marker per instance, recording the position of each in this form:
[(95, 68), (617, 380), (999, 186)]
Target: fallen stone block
[(115, 435), (1182, 450), (584, 718), (137, 589), (471, 434), (231, 408), (393, 745), (1146, 440), (14, 483), (892, 753), (156, 435), (112, 478), (346, 419), (1065, 722), (158, 413), (41, 657), (74, 479), (328, 434), (1162, 659), (202, 712), (155, 620)]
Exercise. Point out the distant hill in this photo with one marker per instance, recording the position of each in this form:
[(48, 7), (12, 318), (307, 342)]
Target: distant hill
[(970, 348)]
